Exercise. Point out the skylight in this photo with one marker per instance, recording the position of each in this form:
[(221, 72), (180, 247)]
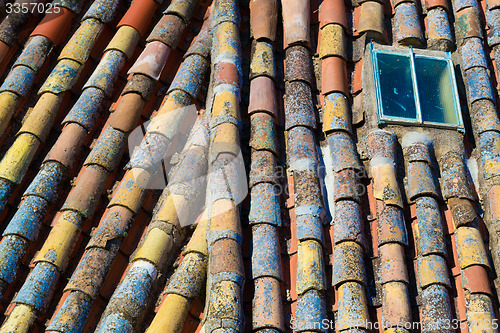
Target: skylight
[(415, 88)]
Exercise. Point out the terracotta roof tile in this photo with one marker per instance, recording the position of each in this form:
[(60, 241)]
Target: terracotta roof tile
[(281, 240)]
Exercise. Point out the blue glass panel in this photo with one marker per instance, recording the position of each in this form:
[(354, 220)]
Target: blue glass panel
[(396, 88), (435, 89)]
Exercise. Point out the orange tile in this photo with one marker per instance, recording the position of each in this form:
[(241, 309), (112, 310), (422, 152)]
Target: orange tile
[(460, 298), (475, 279), (293, 232), (455, 267), (450, 225), (293, 277), (357, 83)]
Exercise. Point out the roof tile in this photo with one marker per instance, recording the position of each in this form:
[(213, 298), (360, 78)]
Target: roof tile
[(268, 297), (84, 197), (108, 147), (353, 306), (309, 227), (455, 181), (463, 212), (348, 223), (263, 97), (260, 172), (298, 66), (436, 310), (307, 315), (430, 4), (490, 156), (430, 227), (139, 84), (336, 115), (407, 25), (266, 260), (263, 19), (299, 108), (343, 152), (67, 147), (439, 31), (152, 60), (395, 304), (337, 80), (333, 11), (392, 263), (296, 20), (371, 19), (475, 280), (139, 15), (467, 24), (54, 26), (348, 263), (390, 224), (420, 180), (432, 269), (471, 250)]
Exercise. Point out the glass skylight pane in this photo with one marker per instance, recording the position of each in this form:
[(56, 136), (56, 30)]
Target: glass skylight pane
[(435, 91), (396, 88)]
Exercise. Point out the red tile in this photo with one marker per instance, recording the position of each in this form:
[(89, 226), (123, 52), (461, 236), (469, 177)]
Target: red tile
[(139, 15), (293, 277), (293, 232), (475, 279), (357, 83), (55, 26), (460, 298), (334, 78), (455, 267), (333, 11), (450, 226)]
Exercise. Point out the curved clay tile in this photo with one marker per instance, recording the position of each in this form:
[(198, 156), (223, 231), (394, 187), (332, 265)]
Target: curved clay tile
[(40, 120)]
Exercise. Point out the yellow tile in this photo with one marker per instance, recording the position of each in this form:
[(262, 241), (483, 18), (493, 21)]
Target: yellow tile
[(59, 244), (470, 247), (155, 248), (310, 267), (385, 184), (480, 315), (336, 112), (333, 40), (171, 315), (41, 117), (8, 103), (432, 269), (176, 99), (20, 320), (131, 189), (169, 210), (198, 242), (81, 43), (262, 60), (184, 9), (125, 40), (226, 139), (227, 31), (226, 103), (18, 158)]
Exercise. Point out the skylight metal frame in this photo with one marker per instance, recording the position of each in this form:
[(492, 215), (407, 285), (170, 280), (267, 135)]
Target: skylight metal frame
[(382, 119)]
